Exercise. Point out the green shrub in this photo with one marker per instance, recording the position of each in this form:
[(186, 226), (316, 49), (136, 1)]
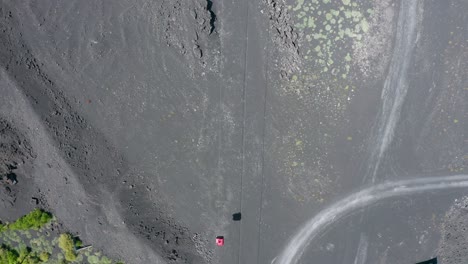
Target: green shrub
[(78, 242), (31, 260), (12, 256), (44, 256), (24, 251), (93, 259), (8, 255), (66, 243), (105, 260), (34, 220), (26, 256), (70, 256)]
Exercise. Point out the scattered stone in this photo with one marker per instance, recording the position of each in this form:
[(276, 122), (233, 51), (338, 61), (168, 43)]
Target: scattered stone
[(285, 38), (34, 200), (179, 17), (454, 238), (14, 149)]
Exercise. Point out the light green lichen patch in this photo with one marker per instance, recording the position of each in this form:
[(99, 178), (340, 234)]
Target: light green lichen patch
[(321, 92), (364, 25), (299, 5), (334, 27), (330, 29)]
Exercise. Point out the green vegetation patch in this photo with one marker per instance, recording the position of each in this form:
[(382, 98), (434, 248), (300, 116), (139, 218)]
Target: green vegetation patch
[(34, 220), (31, 240), (67, 245), (24, 255)]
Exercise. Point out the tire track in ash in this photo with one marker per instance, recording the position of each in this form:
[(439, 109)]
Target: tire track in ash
[(361, 255), (358, 201), (395, 85), (393, 95), (244, 112), (262, 183)]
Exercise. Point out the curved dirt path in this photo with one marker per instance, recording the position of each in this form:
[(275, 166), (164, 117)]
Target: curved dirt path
[(359, 200)]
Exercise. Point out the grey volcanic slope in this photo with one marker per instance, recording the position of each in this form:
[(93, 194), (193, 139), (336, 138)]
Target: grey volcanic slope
[(79, 146), (136, 130), (86, 190), (145, 125)]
